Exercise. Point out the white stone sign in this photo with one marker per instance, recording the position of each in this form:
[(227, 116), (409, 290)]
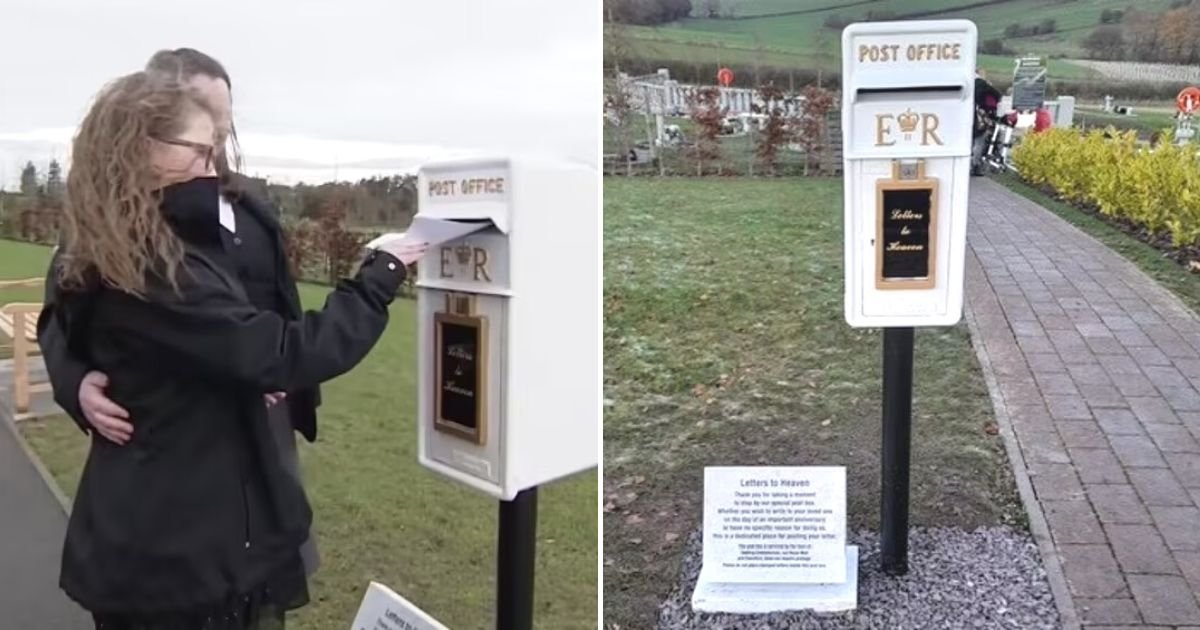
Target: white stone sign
[(775, 524), (383, 609), (775, 539)]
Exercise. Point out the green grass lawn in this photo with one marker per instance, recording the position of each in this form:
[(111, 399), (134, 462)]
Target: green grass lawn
[(738, 153), (801, 40), (1150, 260), (22, 261), (379, 514), (725, 344), (1147, 122)]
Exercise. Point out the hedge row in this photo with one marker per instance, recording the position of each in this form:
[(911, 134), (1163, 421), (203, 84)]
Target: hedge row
[(1158, 188)]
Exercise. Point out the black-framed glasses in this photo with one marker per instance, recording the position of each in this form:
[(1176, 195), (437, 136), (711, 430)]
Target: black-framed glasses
[(207, 150)]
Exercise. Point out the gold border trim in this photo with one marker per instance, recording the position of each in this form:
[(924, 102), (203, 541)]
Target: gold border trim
[(477, 435), (920, 182)]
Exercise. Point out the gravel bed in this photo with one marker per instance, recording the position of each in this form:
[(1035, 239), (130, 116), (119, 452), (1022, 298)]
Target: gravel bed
[(988, 578)]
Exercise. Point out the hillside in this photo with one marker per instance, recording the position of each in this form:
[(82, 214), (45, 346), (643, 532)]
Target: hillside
[(805, 35)]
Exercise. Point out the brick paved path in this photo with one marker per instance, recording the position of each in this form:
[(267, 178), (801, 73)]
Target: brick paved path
[(1097, 369)]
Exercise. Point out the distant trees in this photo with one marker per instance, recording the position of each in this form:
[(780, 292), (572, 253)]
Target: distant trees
[(837, 21), (994, 46), (55, 187), (1106, 42), (811, 131), (1171, 36), (1045, 27), (775, 132), (708, 116), (29, 180), (647, 12)]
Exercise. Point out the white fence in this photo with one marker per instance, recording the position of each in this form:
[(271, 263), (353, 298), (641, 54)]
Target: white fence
[(660, 95)]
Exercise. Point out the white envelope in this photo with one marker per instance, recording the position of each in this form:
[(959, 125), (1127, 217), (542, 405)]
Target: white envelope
[(431, 231)]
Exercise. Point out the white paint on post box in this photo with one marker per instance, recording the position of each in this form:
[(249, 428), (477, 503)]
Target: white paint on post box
[(907, 115), (508, 328)]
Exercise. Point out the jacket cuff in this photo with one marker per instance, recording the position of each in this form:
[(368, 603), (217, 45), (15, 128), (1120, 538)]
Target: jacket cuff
[(383, 267)]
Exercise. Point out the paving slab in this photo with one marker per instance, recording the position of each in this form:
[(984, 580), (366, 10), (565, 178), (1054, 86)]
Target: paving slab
[(1108, 433)]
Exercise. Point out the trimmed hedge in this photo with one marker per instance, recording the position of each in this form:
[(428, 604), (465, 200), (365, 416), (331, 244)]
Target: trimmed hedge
[(1158, 188)]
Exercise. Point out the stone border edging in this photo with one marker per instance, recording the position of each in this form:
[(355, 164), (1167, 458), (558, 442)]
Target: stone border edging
[(47, 478), (1037, 519)]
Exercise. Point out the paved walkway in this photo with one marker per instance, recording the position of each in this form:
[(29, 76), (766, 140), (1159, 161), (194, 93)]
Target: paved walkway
[(1097, 369), (32, 526)]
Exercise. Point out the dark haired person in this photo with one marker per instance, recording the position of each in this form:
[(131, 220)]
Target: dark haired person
[(252, 240)]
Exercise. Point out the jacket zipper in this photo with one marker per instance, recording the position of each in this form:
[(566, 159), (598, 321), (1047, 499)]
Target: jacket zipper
[(246, 514)]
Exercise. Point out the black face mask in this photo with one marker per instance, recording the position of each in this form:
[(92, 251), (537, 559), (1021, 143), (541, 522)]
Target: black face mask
[(193, 206)]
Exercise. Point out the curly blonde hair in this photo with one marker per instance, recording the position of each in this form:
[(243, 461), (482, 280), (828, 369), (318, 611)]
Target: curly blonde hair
[(113, 226)]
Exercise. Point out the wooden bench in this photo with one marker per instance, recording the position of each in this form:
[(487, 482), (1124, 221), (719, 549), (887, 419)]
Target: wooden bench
[(18, 322)]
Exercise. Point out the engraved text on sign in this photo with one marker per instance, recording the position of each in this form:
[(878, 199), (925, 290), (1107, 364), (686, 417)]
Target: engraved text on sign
[(461, 382), (906, 229)]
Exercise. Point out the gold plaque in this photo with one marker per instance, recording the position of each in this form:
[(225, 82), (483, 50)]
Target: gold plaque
[(906, 229), (460, 370)]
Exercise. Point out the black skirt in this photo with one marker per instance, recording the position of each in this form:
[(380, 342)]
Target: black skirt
[(262, 609)]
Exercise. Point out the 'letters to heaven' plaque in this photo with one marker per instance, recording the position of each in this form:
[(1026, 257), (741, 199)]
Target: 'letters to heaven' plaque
[(461, 375), (906, 230)]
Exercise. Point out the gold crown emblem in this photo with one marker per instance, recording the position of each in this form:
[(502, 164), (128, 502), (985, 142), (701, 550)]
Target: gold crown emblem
[(464, 253), (908, 121)]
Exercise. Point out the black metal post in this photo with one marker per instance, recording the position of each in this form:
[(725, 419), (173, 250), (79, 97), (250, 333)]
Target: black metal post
[(897, 442), (514, 562)]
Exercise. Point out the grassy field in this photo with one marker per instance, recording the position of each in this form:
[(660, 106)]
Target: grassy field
[(379, 514), (725, 344), (1150, 260), (738, 153), (22, 261), (787, 33), (680, 43), (1147, 122)]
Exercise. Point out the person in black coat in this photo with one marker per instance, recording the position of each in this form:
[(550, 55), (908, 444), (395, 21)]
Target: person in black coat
[(194, 523), (987, 102), (252, 240)]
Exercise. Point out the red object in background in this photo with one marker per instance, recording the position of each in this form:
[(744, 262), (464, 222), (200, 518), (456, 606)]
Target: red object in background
[(1042, 120), (725, 76), (1188, 100)]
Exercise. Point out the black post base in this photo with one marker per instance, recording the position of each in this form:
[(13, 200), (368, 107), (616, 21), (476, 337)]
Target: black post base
[(897, 441), (515, 561)]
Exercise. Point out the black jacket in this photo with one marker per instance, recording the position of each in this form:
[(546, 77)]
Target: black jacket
[(987, 97), (197, 507), (66, 370)]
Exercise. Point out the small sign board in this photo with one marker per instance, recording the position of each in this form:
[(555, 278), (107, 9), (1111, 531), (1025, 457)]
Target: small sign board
[(1029, 84), (775, 524), (383, 609), (1188, 100)]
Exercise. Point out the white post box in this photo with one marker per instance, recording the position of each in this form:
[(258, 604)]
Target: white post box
[(907, 115), (508, 324)]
